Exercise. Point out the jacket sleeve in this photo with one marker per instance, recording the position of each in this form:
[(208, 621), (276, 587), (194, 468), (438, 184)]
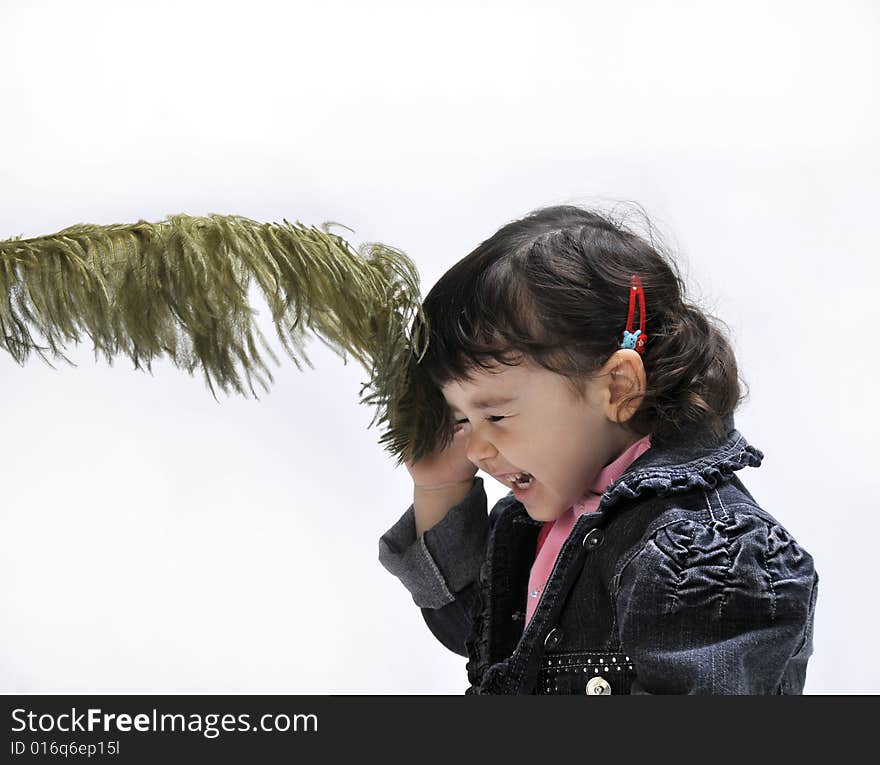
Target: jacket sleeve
[(441, 568), (715, 608)]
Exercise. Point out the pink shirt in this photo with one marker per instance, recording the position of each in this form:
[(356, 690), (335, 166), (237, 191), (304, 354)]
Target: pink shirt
[(563, 525)]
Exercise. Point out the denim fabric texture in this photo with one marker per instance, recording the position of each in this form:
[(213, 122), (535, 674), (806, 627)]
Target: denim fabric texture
[(679, 583)]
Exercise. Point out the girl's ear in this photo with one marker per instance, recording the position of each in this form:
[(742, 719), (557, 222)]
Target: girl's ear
[(628, 384)]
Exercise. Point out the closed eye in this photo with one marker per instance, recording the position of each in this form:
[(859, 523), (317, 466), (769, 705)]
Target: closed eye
[(491, 418)]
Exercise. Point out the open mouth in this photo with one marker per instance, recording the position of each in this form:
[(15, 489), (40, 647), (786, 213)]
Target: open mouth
[(521, 480)]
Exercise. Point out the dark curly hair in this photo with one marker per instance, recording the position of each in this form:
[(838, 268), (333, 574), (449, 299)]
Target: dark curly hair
[(554, 286)]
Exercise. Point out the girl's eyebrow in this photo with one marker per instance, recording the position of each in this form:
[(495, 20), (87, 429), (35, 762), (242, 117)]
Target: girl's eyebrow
[(489, 403)]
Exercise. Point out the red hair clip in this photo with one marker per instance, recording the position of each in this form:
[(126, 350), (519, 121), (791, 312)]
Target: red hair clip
[(635, 340)]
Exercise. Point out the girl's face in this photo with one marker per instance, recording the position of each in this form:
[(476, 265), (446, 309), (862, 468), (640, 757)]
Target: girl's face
[(526, 419)]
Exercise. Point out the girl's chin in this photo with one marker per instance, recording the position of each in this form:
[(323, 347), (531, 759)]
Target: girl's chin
[(537, 504), (542, 514)]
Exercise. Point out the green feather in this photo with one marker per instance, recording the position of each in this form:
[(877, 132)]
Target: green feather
[(179, 288)]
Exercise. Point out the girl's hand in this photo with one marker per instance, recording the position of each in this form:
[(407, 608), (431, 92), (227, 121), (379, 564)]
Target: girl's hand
[(444, 467)]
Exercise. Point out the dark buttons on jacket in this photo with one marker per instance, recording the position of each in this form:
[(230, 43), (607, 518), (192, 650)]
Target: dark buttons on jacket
[(554, 638), (593, 539)]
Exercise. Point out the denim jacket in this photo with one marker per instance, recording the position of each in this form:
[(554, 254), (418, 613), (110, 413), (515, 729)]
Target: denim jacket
[(678, 583)]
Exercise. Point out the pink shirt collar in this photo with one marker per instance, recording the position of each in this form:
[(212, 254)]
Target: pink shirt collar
[(610, 473)]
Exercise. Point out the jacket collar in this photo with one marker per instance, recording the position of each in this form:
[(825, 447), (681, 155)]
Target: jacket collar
[(695, 457)]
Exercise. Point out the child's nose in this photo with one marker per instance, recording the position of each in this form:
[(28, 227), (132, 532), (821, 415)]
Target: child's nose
[(480, 449)]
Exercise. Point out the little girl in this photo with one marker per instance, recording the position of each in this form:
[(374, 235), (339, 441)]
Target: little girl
[(628, 557)]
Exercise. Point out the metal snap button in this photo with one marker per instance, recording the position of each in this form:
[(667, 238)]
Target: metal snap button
[(593, 539), (598, 686), (554, 638)]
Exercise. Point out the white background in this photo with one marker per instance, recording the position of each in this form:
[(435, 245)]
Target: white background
[(154, 540)]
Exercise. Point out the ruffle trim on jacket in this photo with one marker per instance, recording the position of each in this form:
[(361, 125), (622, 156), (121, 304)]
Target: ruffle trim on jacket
[(493, 681), (484, 676), (681, 478), (477, 643)]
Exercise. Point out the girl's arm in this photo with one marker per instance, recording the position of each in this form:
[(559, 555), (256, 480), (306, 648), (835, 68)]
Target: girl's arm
[(452, 624), (440, 568), (718, 608)]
